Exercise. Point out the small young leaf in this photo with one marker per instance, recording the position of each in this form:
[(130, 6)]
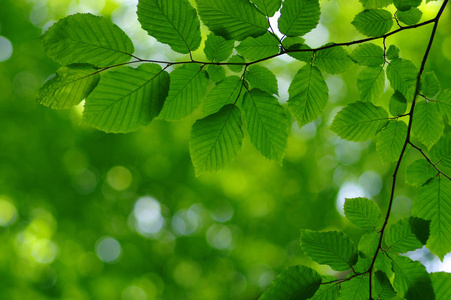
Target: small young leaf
[(433, 202), (441, 151), (397, 104), (216, 140), (186, 91), (357, 288), (328, 289), (404, 5), (225, 92), (371, 84), (126, 99), (373, 22), (412, 281), (262, 78), (81, 38), (402, 75), (308, 95), (427, 123), (239, 61), (368, 243), (232, 19), (419, 172), (363, 213), (369, 55), (298, 17), (216, 73), (392, 52), (268, 7), (71, 84), (401, 236), (444, 104), (266, 123), (430, 84), (441, 281), (359, 121), (372, 4), (382, 287), (333, 248), (391, 140), (172, 22), (295, 283), (409, 17), (260, 47), (333, 60), (217, 48)]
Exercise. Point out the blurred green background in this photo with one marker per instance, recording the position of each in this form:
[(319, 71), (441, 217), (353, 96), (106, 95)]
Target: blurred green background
[(89, 215)]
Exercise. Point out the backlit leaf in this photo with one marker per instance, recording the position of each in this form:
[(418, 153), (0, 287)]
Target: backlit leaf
[(441, 281), (357, 288), (409, 17), (268, 7), (333, 60), (298, 17), (419, 172), (126, 99), (217, 48), (371, 84), (427, 123), (441, 151), (363, 213), (85, 38), (263, 79), (371, 4), (225, 92), (412, 281), (71, 84), (359, 121), (373, 22), (391, 140), (397, 104), (407, 235), (308, 95), (172, 22), (444, 104), (430, 84), (328, 289), (260, 47), (402, 75), (369, 55), (404, 5)]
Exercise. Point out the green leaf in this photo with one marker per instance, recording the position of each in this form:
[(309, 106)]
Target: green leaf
[(363, 213), (126, 98), (357, 288), (85, 38), (333, 60), (359, 121), (268, 7), (327, 291), (371, 4), (298, 17), (391, 140), (427, 123), (225, 92), (419, 172), (392, 52), (371, 84), (216, 73), (384, 263), (266, 123), (411, 281), (373, 22), (430, 84), (441, 281), (216, 140), (397, 104), (186, 91), (368, 243), (232, 19), (333, 248), (404, 5), (172, 22), (71, 84), (305, 56), (257, 48), (402, 75), (407, 235), (263, 79), (409, 17), (295, 283), (369, 55), (441, 151), (217, 48), (382, 287), (433, 202), (239, 61), (444, 104), (308, 95)]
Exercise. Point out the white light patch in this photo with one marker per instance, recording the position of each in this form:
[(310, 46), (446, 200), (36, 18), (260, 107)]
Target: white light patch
[(348, 190), (108, 249)]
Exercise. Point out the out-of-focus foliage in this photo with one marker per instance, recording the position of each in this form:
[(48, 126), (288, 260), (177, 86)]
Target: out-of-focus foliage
[(89, 215)]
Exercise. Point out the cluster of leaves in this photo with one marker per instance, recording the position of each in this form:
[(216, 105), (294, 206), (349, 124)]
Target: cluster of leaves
[(95, 53)]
